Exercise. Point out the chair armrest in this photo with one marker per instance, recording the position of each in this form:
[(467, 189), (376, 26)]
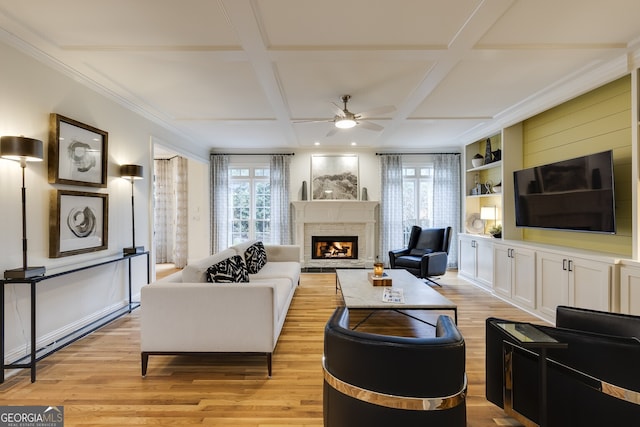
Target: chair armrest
[(433, 264), (394, 253)]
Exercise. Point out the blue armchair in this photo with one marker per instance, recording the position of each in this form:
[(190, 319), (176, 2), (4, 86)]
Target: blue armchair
[(426, 254)]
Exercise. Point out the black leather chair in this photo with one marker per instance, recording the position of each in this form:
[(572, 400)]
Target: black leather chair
[(426, 254), (377, 380), (595, 381)]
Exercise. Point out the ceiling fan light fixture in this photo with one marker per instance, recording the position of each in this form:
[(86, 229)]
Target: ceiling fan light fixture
[(345, 123)]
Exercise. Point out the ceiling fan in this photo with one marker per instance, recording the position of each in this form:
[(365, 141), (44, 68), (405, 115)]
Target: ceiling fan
[(345, 119)]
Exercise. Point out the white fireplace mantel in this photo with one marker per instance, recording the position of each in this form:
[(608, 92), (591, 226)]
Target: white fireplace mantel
[(349, 215)]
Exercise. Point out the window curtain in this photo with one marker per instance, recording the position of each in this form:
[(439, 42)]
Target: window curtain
[(446, 199), (390, 205), (219, 202), (171, 210), (181, 211), (163, 206), (279, 183)]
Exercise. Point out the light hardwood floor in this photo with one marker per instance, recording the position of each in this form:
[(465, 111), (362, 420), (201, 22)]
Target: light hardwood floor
[(98, 381)]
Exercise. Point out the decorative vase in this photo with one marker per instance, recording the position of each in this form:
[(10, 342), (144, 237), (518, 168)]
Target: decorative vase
[(365, 196), (487, 152), (304, 190)]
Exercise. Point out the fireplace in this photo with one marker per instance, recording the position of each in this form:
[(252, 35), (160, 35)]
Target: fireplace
[(334, 247)]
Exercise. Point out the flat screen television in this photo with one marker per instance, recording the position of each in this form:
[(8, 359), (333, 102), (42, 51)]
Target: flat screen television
[(575, 195)]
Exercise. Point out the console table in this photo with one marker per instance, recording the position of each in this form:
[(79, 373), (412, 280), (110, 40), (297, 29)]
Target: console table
[(35, 355)]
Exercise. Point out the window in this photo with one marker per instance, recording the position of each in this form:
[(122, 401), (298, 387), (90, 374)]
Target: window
[(249, 203), (417, 182)]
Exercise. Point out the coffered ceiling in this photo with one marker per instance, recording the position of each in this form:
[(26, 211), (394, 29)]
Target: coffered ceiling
[(244, 73)]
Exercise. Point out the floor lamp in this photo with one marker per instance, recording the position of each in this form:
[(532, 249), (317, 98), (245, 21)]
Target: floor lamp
[(23, 150), (132, 173)]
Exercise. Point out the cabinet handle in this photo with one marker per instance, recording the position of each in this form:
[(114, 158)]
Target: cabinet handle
[(570, 265), (564, 264)]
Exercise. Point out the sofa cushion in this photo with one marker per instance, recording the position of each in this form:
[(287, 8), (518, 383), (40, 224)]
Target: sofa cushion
[(256, 257), (196, 272), (230, 270), (284, 269), (241, 248), (419, 252)]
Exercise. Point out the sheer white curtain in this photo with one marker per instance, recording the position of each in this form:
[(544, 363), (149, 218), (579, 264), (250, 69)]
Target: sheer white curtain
[(219, 202), (171, 210), (181, 212), (163, 206), (446, 198), (390, 205), (279, 183)]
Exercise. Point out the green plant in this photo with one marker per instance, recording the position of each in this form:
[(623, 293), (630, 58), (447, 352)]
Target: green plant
[(495, 229)]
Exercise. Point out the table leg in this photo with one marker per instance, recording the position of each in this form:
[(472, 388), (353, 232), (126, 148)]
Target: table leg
[(33, 332)]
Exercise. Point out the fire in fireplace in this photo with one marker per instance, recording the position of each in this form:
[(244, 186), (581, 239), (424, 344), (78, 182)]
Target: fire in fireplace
[(330, 247)]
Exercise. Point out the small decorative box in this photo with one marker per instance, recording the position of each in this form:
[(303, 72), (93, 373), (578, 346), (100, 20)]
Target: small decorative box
[(383, 280)]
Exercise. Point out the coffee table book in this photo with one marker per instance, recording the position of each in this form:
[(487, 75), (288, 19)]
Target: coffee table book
[(383, 280)]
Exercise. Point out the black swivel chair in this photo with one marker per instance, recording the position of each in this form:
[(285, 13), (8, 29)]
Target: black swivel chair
[(378, 380), (426, 254)]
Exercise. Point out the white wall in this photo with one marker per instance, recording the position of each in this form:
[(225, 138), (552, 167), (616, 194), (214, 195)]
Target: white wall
[(199, 207), (30, 92), (368, 165)]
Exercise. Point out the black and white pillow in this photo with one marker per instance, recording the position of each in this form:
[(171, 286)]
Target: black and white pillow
[(230, 270), (256, 257)]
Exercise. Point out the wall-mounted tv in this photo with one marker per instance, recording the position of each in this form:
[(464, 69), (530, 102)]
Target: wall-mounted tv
[(575, 194)]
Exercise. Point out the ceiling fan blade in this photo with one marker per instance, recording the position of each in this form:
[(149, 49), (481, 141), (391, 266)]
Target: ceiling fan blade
[(377, 111), (311, 121), (370, 125), (332, 131)]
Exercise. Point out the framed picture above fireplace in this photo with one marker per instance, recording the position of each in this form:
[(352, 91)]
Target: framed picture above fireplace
[(334, 177)]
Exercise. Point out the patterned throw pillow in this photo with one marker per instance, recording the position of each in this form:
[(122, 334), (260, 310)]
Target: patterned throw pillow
[(230, 270), (256, 257)]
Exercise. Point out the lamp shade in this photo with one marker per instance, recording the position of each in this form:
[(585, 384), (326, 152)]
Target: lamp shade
[(19, 148), (131, 171), (488, 212)]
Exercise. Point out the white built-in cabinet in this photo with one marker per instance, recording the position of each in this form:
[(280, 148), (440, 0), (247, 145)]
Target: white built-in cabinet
[(514, 270), (630, 288), (570, 279), (538, 278), (476, 259)]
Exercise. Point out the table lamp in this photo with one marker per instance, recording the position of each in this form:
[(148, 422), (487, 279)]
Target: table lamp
[(24, 150), (132, 173), (489, 213)]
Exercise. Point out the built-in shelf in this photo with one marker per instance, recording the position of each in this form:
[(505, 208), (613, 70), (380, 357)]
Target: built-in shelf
[(491, 165)]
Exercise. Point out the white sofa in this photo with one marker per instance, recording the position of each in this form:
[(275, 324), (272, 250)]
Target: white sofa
[(184, 314)]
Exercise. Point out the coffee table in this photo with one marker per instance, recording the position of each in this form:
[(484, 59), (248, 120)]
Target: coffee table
[(359, 293)]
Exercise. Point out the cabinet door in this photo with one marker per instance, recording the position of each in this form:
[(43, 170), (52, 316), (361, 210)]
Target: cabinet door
[(502, 274), (523, 286), (589, 284), (467, 258), (552, 287), (630, 290), (484, 262)]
